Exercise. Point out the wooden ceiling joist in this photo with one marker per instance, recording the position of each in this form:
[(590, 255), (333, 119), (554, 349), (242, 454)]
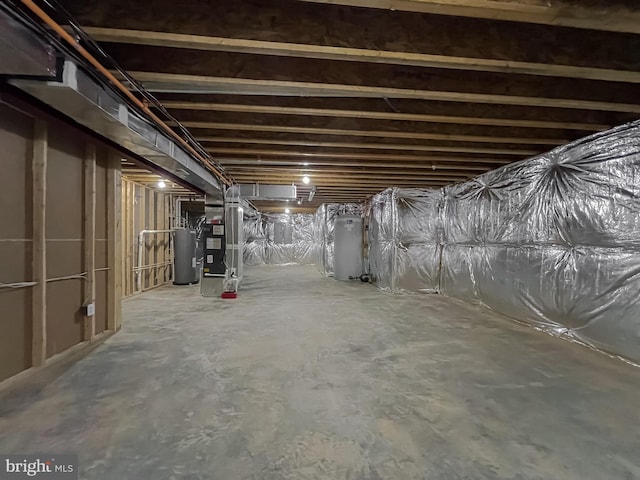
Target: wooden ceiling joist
[(394, 116), (361, 98), (367, 156), (319, 180), (181, 83), (348, 180), (346, 170), (367, 133), (317, 177), (613, 18), (255, 164), (198, 42), (370, 146)]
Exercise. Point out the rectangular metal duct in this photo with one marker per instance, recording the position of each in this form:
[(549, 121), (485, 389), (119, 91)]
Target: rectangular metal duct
[(256, 191), (22, 53), (80, 97)]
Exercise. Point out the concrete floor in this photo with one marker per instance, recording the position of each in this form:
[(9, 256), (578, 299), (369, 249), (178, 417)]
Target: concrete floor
[(306, 378)]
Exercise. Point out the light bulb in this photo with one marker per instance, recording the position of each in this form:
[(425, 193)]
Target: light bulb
[(306, 180), (286, 210), (162, 184)]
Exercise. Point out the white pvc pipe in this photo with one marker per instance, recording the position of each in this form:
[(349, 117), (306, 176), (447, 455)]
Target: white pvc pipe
[(140, 254), (178, 213)]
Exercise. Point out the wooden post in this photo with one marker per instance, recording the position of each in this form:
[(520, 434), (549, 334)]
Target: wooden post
[(143, 225), (166, 202), (130, 214), (39, 293), (90, 239), (126, 237), (153, 241), (114, 242)]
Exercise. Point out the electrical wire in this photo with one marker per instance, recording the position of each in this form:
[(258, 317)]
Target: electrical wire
[(78, 276), (18, 285)]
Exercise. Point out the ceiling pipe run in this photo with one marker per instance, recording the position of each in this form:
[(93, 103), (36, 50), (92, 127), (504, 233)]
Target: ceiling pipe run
[(117, 84)]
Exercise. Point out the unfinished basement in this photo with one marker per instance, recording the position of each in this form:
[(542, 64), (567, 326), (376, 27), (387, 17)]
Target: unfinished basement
[(320, 239)]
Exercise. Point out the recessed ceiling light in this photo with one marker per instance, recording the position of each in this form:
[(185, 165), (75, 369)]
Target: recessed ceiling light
[(306, 180), (286, 210), (162, 184)]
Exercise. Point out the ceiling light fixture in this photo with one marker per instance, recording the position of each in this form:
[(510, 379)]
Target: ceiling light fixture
[(306, 180), (286, 210), (162, 184)]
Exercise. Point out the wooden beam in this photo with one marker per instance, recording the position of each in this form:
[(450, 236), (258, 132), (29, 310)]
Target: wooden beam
[(114, 244), (354, 188), (181, 83), (351, 182), (440, 163), (561, 13), (368, 156), (355, 176), (258, 47), (39, 247), (344, 145), (89, 238), (348, 180), (373, 115), (313, 171), (368, 133)]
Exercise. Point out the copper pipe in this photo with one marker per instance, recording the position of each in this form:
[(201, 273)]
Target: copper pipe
[(98, 66)]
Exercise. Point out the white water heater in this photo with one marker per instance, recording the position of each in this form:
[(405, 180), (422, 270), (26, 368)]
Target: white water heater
[(348, 247)]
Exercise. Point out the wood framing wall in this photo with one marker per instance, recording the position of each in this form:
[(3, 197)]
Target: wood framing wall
[(144, 208), (59, 240)]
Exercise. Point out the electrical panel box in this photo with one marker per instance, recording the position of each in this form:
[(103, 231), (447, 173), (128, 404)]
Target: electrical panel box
[(213, 235)]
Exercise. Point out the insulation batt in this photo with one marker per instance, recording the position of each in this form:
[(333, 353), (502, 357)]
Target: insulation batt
[(260, 245), (553, 241), (311, 240)]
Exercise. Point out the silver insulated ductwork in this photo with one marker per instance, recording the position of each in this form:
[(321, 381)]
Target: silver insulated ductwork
[(83, 99)]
